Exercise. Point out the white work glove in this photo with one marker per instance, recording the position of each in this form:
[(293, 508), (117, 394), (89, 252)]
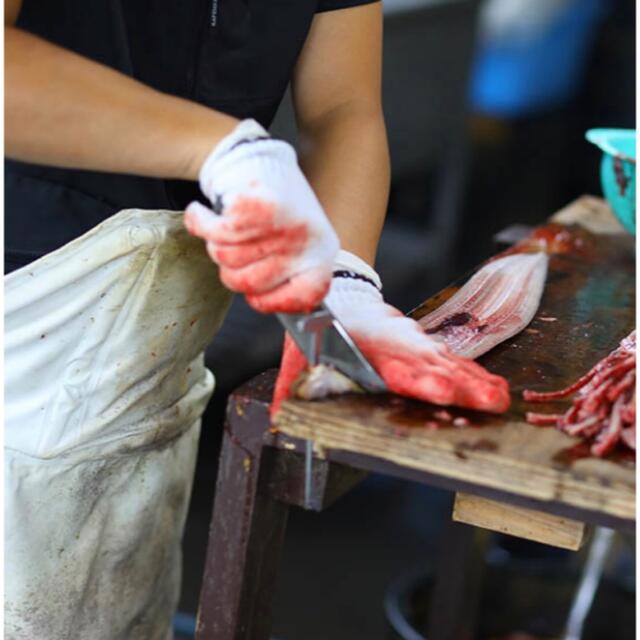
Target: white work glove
[(410, 362), (273, 241)]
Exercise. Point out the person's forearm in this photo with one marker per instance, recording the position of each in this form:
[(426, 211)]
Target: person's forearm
[(346, 159), (65, 110)]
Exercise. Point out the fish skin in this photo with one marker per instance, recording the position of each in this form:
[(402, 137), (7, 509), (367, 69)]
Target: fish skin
[(500, 300)]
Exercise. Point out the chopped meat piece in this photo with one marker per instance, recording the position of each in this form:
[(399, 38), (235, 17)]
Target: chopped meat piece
[(628, 436), (542, 419), (604, 407)]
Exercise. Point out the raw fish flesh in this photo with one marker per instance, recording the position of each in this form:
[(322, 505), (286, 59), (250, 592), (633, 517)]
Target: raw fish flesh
[(603, 411)]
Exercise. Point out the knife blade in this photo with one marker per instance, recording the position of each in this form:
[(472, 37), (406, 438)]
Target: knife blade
[(323, 340)]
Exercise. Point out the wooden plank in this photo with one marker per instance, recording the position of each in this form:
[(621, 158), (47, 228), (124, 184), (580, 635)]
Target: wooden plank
[(447, 483), (587, 307), (591, 213), (505, 454), (518, 521)]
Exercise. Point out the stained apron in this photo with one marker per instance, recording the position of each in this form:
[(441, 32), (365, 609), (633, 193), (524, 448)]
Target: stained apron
[(105, 386)]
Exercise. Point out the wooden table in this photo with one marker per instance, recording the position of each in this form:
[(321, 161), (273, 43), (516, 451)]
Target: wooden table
[(507, 475)]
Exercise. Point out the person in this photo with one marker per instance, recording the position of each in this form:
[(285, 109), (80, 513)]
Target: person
[(118, 114)]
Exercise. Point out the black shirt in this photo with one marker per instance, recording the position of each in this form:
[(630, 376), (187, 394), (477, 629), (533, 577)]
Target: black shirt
[(235, 56)]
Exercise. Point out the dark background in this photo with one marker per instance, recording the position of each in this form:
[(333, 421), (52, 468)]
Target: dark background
[(459, 177)]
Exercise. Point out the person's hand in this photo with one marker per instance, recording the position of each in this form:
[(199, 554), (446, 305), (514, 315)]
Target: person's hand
[(273, 241), (410, 362)]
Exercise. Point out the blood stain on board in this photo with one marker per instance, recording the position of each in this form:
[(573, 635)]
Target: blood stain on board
[(567, 457), (483, 444)]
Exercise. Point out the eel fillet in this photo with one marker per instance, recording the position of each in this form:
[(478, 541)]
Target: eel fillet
[(603, 411), (499, 301)]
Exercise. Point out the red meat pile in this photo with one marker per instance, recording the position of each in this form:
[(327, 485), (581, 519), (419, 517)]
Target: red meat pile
[(604, 407)]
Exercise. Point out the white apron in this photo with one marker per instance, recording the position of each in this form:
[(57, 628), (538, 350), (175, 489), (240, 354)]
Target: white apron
[(105, 385)]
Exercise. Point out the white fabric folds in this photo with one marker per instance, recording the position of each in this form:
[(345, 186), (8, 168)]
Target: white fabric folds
[(105, 385)]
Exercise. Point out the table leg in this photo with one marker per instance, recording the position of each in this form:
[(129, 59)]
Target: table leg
[(260, 475), (245, 539), (454, 601)]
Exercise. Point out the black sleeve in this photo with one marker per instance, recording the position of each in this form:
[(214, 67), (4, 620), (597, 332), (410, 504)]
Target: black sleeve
[(332, 5)]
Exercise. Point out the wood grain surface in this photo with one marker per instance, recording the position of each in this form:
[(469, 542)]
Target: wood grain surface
[(519, 521), (587, 307)]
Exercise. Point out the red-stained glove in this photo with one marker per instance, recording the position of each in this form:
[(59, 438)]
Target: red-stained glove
[(410, 362), (273, 241)]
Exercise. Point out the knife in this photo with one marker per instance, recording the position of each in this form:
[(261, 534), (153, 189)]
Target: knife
[(323, 340)]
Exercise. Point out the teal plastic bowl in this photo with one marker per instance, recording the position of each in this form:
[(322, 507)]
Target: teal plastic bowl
[(618, 171)]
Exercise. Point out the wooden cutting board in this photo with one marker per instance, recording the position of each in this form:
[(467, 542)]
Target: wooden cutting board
[(587, 307)]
